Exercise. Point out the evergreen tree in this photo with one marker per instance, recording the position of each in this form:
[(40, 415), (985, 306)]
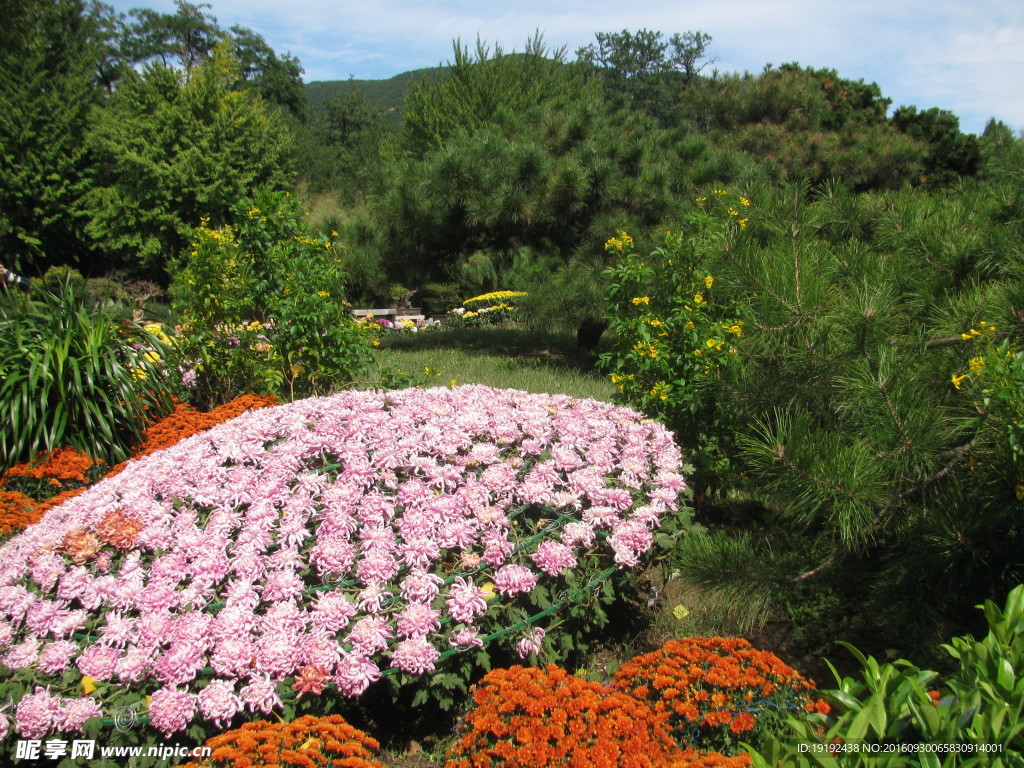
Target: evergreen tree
[(875, 393), (172, 150), (48, 66), (644, 71), (476, 86)]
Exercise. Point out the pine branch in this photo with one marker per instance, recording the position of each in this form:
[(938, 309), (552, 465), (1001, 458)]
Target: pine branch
[(957, 456)]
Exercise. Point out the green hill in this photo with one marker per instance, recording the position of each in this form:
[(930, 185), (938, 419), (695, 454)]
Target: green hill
[(388, 94)]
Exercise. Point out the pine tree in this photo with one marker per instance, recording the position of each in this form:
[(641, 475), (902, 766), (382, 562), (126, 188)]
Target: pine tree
[(48, 67)]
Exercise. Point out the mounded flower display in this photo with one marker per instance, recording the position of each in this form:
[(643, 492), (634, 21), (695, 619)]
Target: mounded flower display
[(310, 548)]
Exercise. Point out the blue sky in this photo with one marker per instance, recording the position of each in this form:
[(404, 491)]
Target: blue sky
[(967, 57)]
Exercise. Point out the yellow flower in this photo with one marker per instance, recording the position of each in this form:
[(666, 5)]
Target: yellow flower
[(659, 391), (744, 201), (700, 199), (719, 192), (976, 363), (637, 300), (88, 685), (689, 325), (733, 212), (736, 329), (958, 380), (710, 343), (323, 294), (709, 281), (698, 298), (743, 223)]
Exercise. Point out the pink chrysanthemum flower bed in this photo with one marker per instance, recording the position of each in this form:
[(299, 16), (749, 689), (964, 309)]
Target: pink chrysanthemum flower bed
[(314, 546)]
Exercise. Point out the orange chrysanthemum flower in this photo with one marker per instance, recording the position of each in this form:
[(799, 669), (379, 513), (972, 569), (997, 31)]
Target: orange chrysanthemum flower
[(715, 689), (533, 718), (308, 742)]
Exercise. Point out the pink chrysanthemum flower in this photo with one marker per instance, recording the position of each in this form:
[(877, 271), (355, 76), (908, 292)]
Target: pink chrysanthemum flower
[(74, 713), (553, 557), (354, 674), (219, 702), (37, 714), (465, 601), (417, 620), (514, 580), (260, 695), (171, 710), (531, 642), (415, 656)]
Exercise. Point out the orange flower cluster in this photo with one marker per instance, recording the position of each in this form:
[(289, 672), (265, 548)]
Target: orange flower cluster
[(307, 742), (118, 530), (534, 718), (62, 469), (714, 689), (184, 421), (16, 511), (67, 472)]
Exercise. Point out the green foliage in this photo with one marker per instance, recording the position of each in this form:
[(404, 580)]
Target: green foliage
[(344, 147), (173, 150), (675, 336), (189, 37), (263, 309), (951, 154), (644, 71), (555, 179), (47, 87), (74, 375), (842, 399), (914, 717), (477, 86), (807, 124)]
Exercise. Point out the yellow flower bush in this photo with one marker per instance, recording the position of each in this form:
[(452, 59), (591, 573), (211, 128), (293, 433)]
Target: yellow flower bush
[(675, 341)]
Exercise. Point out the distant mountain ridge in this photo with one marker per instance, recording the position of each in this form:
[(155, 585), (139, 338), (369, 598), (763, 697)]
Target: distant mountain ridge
[(388, 95)]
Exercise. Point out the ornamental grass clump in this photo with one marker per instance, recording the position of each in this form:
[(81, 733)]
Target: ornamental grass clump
[(302, 552), (535, 718), (308, 742), (718, 691)]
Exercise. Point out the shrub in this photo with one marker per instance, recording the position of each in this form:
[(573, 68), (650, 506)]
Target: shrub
[(74, 376), (674, 338), (307, 741), (263, 309), (716, 691), (536, 718), (316, 547)]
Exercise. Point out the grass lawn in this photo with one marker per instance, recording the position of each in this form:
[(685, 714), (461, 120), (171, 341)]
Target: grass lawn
[(510, 358)]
